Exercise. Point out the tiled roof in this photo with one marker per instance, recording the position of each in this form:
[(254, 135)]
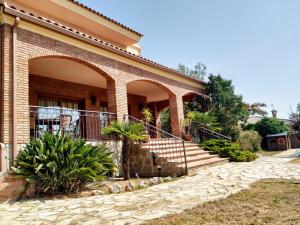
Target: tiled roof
[(105, 17), (70, 31)]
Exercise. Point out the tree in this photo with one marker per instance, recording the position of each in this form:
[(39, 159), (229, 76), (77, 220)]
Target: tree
[(295, 118), (127, 131), (269, 126), (199, 72), (226, 106), (256, 108), (198, 103)]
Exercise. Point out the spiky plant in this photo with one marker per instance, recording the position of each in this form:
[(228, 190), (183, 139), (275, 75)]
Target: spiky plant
[(126, 131), (56, 164), (147, 115)]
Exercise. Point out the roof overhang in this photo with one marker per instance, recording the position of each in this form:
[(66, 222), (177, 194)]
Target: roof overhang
[(88, 43), (81, 18)]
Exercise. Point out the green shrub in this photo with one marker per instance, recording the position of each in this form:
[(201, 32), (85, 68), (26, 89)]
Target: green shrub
[(250, 140), (229, 150), (268, 126), (56, 164)]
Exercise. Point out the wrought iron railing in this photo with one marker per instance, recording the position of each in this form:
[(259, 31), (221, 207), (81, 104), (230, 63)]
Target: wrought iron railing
[(76, 123), (201, 133), (168, 150)]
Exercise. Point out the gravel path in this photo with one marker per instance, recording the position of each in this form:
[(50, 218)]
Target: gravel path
[(156, 201)]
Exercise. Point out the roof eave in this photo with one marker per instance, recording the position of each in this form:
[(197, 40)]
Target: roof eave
[(97, 43)]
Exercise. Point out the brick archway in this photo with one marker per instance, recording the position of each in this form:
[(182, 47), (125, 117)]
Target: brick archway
[(71, 58), (156, 93)]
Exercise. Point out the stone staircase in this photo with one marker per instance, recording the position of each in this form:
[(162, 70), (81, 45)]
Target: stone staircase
[(197, 157), (172, 151)]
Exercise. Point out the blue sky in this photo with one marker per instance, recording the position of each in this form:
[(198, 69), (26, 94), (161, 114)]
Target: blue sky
[(256, 43)]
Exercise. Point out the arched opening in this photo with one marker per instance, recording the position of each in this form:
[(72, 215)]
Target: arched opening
[(195, 102), (67, 95), (155, 96)]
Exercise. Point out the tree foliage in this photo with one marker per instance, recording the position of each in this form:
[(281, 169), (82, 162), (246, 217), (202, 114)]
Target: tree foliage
[(206, 119), (257, 108), (199, 72), (269, 126), (227, 107), (295, 118), (198, 103)]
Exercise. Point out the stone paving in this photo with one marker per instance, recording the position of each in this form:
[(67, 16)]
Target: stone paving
[(156, 201)]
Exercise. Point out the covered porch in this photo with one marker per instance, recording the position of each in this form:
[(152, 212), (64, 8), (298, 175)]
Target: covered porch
[(70, 96)]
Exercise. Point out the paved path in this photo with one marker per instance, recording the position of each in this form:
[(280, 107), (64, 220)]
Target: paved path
[(156, 201)]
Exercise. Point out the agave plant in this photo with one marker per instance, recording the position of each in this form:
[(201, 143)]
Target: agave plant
[(127, 131), (56, 164)]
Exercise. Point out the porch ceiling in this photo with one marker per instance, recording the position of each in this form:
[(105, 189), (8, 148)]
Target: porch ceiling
[(67, 70), (152, 91)]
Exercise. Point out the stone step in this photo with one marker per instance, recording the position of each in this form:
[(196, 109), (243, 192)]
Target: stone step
[(171, 144), (198, 158), (162, 146), (208, 162), (188, 157), (180, 153), (192, 145), (172, 150)]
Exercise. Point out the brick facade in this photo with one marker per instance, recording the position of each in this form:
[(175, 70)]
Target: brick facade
[(48, 87), (118, 75)]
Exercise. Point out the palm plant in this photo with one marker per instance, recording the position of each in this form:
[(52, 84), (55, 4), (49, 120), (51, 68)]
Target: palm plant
[(55, 163), (126, 131)]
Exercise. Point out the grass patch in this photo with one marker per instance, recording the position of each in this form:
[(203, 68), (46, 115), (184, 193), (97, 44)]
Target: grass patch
[(295, 161), (266, 202), (268, 153)]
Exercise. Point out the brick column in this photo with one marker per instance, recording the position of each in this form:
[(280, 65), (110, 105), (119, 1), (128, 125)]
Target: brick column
[(6, 85), (7, 89), (6, 103), (117, 98), (23, 115), (176, 113)]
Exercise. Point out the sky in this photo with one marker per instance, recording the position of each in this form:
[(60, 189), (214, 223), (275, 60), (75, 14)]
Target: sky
[(255, 43)]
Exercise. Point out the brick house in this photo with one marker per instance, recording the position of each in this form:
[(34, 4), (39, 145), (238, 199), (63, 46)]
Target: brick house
[(59, 55)]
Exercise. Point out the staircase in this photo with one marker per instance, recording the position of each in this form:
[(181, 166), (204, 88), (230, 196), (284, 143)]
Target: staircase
[(172, 155), (183, 154), (197, 157)]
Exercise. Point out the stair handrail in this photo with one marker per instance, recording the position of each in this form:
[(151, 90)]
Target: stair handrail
[(149, 125), (214, 133), (146, 125)]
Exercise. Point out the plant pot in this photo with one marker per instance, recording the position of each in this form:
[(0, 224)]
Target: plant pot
[(187, 137), (147, 138)]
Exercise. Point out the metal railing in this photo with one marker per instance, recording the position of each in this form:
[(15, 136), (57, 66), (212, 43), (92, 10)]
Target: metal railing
[(168, 150), (76, 123), (201, 133)]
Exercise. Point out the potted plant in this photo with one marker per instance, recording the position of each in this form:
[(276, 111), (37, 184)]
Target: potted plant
[(185, 124), (147, 118)]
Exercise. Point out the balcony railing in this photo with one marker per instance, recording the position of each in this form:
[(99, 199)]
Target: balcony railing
[(76, 123)]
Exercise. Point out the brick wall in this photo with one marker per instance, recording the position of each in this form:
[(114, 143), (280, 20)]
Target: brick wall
[(49, 87), (31, 45)]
